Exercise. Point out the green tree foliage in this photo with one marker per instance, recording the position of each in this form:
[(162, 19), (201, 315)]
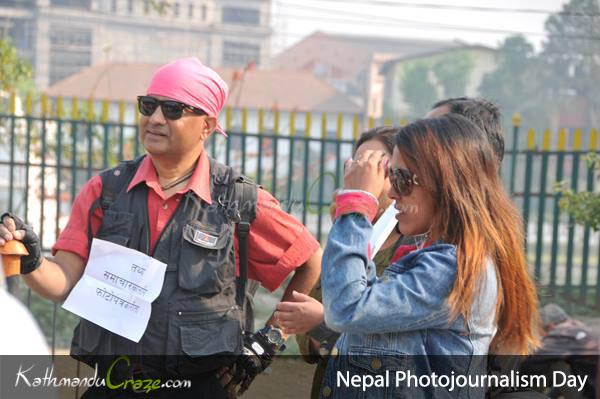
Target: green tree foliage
[(571, 59), (14, 70), (160, 6), (452, 73), (418, 91), (514, 84), (583, 206), (571, 56)]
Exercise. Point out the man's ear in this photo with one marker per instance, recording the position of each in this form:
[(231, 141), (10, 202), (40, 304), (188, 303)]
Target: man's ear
[(210, 124)]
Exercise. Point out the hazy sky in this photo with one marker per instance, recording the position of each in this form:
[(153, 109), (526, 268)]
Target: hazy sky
[(436, 19)]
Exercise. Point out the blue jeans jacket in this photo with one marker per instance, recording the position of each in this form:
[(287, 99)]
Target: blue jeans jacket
[(404, 312)]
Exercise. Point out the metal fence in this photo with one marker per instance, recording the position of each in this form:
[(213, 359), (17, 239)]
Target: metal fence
[(46, 158)]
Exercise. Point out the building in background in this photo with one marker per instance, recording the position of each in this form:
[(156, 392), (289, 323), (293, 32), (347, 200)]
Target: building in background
[(352, 63), (449, 72), (60, 37), (248, 88)]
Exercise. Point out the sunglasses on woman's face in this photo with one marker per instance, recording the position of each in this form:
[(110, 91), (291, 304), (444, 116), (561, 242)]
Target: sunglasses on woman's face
[(171, 109), (402, 180)]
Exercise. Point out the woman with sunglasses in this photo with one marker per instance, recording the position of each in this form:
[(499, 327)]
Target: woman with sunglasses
[(466, 292), (305, 314)]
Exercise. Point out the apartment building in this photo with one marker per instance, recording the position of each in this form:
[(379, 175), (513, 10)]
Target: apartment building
[(60, 37)]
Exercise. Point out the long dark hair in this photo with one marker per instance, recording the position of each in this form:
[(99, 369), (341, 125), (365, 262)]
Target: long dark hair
[(456, 164)]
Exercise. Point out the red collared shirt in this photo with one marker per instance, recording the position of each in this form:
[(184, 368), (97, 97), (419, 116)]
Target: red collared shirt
[(277, 244)]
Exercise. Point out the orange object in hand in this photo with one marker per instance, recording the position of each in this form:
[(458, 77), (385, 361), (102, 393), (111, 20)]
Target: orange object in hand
[(11, 257)]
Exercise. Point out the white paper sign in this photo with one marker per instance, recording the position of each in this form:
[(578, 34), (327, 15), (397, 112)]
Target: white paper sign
[(117, 289), (382, 229)]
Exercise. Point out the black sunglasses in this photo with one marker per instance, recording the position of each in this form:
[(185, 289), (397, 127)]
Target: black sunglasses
[(402, 180), (171, 109)]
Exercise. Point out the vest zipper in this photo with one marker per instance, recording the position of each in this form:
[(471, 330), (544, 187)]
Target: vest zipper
[(228, 308)]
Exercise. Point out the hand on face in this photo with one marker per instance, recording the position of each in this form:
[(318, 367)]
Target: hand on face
[(300, 316), (367, 172)]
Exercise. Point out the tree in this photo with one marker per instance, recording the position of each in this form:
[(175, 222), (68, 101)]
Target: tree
[(514, 84), (452, 73), (571, 56), (417, 89), (584, 207), (14, 70)]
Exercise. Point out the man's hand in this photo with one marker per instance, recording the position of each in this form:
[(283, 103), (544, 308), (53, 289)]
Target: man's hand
[(299, 316), (13, 228)]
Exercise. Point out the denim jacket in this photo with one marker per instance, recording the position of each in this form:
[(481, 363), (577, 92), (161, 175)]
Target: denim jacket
[(404, 312)]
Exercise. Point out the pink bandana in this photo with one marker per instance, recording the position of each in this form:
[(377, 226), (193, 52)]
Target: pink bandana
[(189, 81)]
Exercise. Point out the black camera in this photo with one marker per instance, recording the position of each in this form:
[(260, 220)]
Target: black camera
[(259, 350)]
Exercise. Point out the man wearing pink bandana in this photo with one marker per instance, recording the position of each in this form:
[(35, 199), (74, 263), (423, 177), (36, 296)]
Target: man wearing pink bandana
[(215, 229)]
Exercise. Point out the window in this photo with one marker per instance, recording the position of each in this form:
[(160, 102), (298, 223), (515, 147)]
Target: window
[(203, 12), (85, 4), (146, 7), (240, 54), (113, 6), (241, 16), (18, 3), (191, 11), (70, 51), (176, 9), (130, 6)]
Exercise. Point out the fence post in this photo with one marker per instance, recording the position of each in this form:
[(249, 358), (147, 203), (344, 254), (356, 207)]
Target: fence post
[(106, 131), (587, 230), (306, 167), (122, 130), (541, 206), (290, 179), (13, 122), (261, 130), (321, 174), (292, 122), (59, 128), (244, 136), (560, 161), (338, 147), (228, 123), (571, 234), (74, 117), (513, 164), (527, 188)]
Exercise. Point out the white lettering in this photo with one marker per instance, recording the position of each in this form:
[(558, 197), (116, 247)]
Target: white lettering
[(561, 379), (345, 381), (21, 374)]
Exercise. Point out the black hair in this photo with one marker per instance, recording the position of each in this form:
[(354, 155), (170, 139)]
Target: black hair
[(482, 112), (384, 134)]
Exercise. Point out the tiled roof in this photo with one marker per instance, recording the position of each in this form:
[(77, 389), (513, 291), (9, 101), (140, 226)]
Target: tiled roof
[(268, 89)]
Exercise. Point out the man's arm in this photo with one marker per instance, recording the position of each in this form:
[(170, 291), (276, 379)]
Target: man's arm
[(55, 278), (304, 279)]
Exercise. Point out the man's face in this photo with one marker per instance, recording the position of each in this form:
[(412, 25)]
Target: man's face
[(438, 111), (174, 138)]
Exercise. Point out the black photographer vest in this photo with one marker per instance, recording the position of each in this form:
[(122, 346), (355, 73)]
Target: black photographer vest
[(200, 310)]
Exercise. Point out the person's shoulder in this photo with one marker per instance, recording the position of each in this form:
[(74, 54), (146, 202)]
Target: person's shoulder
[(440, 251), (28, 340), (439, 255)]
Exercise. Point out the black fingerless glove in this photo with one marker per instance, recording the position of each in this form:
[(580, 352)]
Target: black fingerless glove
[(31, 241)]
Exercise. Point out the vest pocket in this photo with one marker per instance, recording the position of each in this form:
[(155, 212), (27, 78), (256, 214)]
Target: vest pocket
[(116, 227), (204, 341), (205, 265)]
